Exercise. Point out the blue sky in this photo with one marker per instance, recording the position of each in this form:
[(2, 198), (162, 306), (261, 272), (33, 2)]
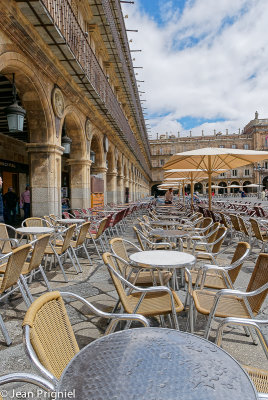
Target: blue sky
[(205, 62)]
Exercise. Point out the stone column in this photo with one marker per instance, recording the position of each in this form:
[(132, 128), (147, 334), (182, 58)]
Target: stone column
[(111, 187), (120, 189), (45, 178), (79, 183)]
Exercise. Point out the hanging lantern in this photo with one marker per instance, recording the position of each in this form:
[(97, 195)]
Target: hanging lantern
[(66, 143), (92, 156), (15, 113)]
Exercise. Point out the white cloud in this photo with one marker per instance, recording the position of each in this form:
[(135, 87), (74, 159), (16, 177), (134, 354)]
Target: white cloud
[(208, 62)]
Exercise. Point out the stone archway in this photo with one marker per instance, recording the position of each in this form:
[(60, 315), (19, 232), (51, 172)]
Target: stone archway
[(44, 150), (223, 189), (249, 190), (76, 165)]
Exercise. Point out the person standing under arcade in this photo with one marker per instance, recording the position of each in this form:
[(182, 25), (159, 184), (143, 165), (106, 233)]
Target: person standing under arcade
[(169, 196)]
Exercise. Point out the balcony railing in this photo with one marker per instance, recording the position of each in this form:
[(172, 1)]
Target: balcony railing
[(65, 21)]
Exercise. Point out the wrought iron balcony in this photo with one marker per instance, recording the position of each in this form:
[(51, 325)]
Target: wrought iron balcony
[(58, 26)]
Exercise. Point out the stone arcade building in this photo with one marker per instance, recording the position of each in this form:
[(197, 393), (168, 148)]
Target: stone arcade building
[(74, 77), (253, 137)]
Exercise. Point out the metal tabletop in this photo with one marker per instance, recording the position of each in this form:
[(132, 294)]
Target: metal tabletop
[(169, 233), (155, 364), (68, 221), (162, 259), (165, 223), (35, 230)]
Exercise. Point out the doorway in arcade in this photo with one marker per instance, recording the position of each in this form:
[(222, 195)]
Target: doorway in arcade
[(14, 175)]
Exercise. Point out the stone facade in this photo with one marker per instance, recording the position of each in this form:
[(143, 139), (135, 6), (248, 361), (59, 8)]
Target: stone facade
[(74, 77), (253, 137)]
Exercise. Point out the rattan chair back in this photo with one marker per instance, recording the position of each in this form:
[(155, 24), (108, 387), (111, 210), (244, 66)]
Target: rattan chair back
[(258, 279), (206, 223), (38, 252), (256, 229), (220, 235), (67, 238), (214, 228), (139, 238), (14, 267), (240, 251), (110, 260), (82, 234), (119, 249), (5, 246), (224, 220), (51, 333), (243, 227), (101, 228), (33, 221), (235, 222)]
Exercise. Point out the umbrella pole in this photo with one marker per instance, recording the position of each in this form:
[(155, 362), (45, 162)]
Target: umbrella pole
[(183, 193), (209, 183), (192, 192)]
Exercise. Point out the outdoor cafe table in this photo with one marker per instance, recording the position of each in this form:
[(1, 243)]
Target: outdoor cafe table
[(162, 259), (69, 221), (170, 234), (165, 223), (34, 230), (155, 364)]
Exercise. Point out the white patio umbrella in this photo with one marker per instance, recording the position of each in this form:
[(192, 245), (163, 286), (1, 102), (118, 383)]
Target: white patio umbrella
[(214, 159), (193, 175), (235, 186)]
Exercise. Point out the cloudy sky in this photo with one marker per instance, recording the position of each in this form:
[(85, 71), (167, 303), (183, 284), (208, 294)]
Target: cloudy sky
[(205, 62)]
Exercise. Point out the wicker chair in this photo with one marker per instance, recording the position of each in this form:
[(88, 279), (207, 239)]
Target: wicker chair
[(147, 244), (234, 303), (7, 244), (220, 277), (48, 335), (59, 251), (140, 277), (258, 376), (80, 243), (96, 235), (150, 301), (34, 264), (11, 280), (211, 249), (259, 234)]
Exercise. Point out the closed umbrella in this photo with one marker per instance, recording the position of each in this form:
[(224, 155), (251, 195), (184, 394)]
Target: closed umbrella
[(214, 159)]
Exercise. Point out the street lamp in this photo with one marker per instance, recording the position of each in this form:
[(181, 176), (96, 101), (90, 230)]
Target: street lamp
[(260, 170), (15, 114)]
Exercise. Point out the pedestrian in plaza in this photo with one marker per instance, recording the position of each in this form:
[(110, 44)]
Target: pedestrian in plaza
[(1, 202), (10, 200), (25, 202), (169, 196), (263, 195)]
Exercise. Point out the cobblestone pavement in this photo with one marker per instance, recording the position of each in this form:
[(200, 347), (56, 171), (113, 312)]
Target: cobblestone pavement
[(96, 286)]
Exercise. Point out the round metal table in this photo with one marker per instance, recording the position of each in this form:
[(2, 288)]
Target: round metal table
[(166, 223), (163, 259), (69, 221), (170, 234), (34, 230), (155, 364)]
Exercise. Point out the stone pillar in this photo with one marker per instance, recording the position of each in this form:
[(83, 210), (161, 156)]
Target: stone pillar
[(101, 172), (45, 178), (79, 183), (111, 187), (120, 189)]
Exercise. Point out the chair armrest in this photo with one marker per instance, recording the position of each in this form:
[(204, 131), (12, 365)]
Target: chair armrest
[(28, 378), (10, 240), (251, 323), (115, 317), (132, 244)]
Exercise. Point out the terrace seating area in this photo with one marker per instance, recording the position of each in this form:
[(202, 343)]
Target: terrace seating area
[(71, 279)]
